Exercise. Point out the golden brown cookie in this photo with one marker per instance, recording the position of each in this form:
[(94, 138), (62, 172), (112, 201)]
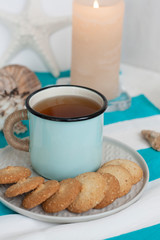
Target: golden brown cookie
[(68, 191), (23, 186), (13, 174), (122, 175), (112, 190), (92, 193), (133, 168), (42, 193)]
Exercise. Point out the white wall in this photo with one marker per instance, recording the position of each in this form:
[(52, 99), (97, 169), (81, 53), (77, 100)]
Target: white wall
[(141, 35)]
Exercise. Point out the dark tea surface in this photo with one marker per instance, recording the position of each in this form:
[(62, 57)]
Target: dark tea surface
[(67, 106)]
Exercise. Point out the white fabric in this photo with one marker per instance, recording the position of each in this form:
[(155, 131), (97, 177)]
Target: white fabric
[(129, 132), (139, 81), (145, 212), (137, 216)]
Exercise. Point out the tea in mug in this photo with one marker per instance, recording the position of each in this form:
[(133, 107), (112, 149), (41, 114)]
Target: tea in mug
[(67, 106)]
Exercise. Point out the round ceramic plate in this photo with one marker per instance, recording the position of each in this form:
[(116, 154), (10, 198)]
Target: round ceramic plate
[(111, 149)]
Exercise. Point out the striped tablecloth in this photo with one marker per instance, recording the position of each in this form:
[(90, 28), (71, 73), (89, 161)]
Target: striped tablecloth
[(139, 221)]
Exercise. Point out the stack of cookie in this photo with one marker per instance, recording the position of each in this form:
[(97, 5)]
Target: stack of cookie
[(80, 194)]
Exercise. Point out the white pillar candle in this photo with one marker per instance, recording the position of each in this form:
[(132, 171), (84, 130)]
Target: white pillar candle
[(96, 44)]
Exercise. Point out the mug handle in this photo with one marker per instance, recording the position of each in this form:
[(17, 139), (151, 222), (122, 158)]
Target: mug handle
[(12, 140)]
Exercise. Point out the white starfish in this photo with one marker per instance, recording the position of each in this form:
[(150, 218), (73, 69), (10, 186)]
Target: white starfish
[(32, 28)]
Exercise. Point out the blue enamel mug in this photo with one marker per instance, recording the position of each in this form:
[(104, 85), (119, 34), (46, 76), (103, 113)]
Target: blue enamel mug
[(60, 148)]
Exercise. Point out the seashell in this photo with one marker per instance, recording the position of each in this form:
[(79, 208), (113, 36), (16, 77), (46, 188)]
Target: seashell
[(16, 83), (6, 83), (26, 81), (153, 138), (7, 106)]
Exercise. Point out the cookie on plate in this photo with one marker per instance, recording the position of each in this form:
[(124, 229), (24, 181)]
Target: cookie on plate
[(92, 192), (122, 175), (13, 174), (112, 190), (133, 168), (23, 186), (68, 191), (40, 194)]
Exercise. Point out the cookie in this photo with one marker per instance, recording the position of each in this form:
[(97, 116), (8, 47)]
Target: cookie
[(68, 191), (23, 186), (122, 175), (133, 168), (13, 174), (41, 194), (92, 192), (112, 190)]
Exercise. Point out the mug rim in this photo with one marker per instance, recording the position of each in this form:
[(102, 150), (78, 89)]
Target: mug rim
[(73, 119)]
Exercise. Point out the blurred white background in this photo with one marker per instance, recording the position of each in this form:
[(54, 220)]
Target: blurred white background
[(141, 34)]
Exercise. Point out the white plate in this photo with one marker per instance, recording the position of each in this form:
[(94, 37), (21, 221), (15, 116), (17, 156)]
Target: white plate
[(111, 149)]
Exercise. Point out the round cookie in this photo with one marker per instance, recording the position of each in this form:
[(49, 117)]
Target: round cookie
[(92, 192), (41, 194), (23, 186), (68, 191), (133, 168), (13, 174), (112, 190), (122, 175)]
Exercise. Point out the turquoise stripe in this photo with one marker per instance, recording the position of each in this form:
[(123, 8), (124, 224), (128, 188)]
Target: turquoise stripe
[(3, 142), (152, 158), (5, 211), (151, 233), (48, 79), (140, 107)]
